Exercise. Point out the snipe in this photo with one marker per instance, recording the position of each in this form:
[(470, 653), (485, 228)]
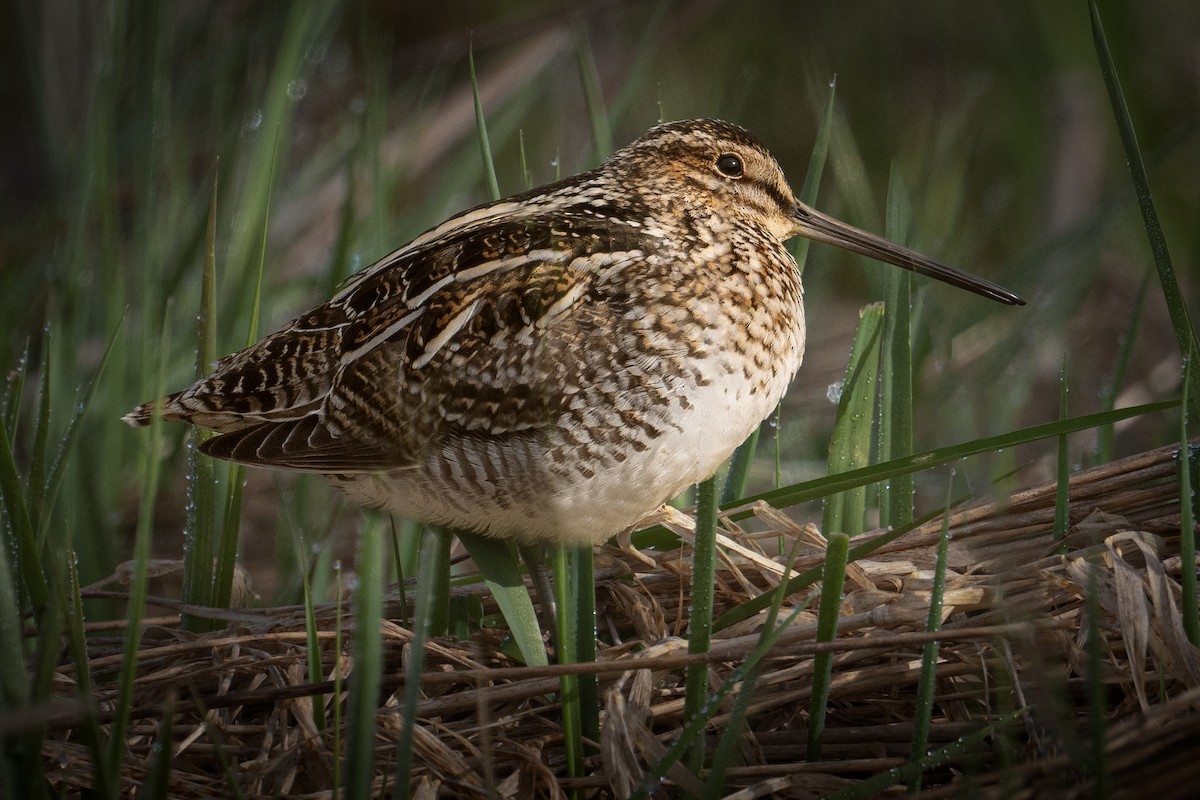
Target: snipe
[(554, 365)]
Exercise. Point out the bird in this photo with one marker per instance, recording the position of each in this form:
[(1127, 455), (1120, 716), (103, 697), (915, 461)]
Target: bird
[(555, 365)]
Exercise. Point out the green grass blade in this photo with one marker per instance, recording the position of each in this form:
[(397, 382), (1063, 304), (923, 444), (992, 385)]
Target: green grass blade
[(927, 683), (428, 595), (200, 530), (1108, 393), (33, 577), (700, 621), (593, 95), (367, 650), (66, 444), (632, 88), (501, 571), (727, 745), (1181, 322), (35, 485), (693, 728), (1187, 518), (566, 639), (850, 444), (398, 560), (895, 379), (836, 553), (1062, 493), (485, 148), (964, 747), (158, 776), (807, 578), (139, 581), (227, 544), (316, 671), (739, 469), (584, 570), (10, 411), (816, 167), (233, 789), (90, 732), (14, 681), (526, 175), (303, 26), (822, 487), (337, 685)]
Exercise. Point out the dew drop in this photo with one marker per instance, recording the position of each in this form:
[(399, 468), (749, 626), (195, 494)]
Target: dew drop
[(834, 393), (253, 121), (315, 53)]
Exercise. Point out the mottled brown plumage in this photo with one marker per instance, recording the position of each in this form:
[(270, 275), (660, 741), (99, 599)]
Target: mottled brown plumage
[(554, 365)]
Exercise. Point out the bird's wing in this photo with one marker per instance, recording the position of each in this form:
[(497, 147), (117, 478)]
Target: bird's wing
[(486, 331)]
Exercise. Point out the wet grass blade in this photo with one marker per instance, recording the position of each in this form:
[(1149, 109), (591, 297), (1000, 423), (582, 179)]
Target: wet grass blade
[(139, 581), (964, 747), (584, 571), (33, 577), (1187, 518), (1062, 492), (20, 765), (895, 379), (427, 596), (200, 530), (35, 485), (836, 555), (700, 621), (816, 168), (810, 576), (501, 571), (485, 148), (850, 444), (694, 727), (14, 680), (316, 672), (158, 775), (227, 545), (303, 26), (566, 639), (829, 484), (714, 780), (927, 683), (602, 143), (1108, 393), (1181, 321), (367, 649), (338, 683)]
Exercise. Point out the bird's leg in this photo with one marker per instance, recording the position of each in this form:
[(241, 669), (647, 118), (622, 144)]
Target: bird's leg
[(534, 557)]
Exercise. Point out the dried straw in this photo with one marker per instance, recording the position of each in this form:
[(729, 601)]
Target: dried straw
[(1013, 647)]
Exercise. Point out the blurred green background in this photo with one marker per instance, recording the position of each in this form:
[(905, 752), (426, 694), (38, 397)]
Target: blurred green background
[(117, 116)]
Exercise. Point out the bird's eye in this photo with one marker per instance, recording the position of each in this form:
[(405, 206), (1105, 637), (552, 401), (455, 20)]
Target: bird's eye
[(730, 165)]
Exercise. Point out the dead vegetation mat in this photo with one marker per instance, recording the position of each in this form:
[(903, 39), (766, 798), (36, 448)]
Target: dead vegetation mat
[(1017, 709)]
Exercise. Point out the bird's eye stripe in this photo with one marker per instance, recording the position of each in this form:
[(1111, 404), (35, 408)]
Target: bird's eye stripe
[(786, 204)]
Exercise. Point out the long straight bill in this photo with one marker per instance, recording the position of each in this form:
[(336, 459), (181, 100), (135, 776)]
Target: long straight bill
[(812, 224)]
